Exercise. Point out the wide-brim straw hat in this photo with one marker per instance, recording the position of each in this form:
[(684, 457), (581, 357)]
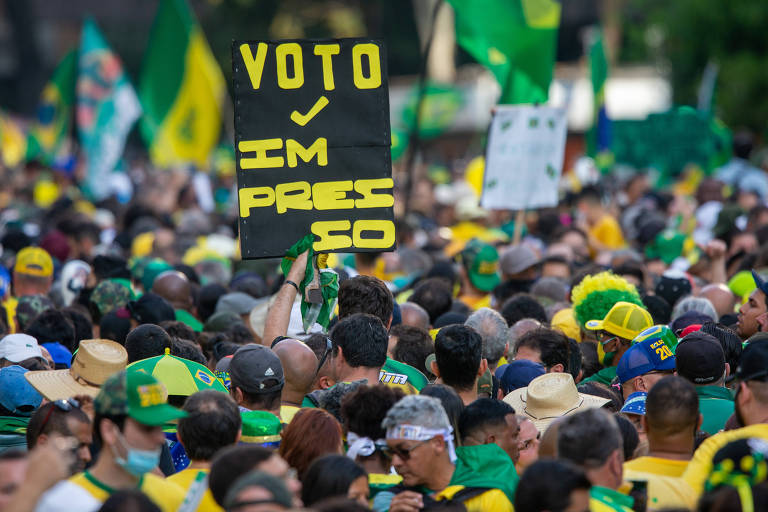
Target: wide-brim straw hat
[(94, 362), (551, 396)]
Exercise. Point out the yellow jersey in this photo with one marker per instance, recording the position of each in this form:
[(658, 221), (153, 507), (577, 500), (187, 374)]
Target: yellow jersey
[(185, 479), (165, 494), (608, 232), (492, 499), (666, 488)]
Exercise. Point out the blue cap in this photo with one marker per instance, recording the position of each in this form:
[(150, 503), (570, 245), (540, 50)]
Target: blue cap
[(647, 356), (635, 403), (60, 354), (518, 374), (16, 393), (5, 281), (759, 282)]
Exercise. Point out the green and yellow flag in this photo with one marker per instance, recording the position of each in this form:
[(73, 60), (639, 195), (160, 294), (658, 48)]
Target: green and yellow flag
[(50, 130), (515, 39), (181, 89)]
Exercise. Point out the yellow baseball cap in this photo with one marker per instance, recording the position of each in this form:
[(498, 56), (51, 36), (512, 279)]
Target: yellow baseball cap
[(34, 261), (625, 320)]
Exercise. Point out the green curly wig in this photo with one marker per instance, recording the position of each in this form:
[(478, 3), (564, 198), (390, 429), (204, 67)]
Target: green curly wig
[(596, 295)]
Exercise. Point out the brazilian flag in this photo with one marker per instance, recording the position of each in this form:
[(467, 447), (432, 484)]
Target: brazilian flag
[(50, 129), (515, 39), (181, 90), (599, 136)]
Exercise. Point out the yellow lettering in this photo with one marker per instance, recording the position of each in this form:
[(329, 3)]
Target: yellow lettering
[(326, 51), (255, 197), (319, 148), (260, 147), (385, 227), (327, 241), (293, 195), (374, 76), (371, 200), (332, 195), (255, 67), (281, 53)]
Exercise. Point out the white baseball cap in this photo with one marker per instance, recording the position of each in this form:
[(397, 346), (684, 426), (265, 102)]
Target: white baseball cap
[(18, 347)]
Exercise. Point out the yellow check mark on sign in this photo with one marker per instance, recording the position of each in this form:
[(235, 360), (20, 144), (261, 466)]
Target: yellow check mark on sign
[(303, 119)]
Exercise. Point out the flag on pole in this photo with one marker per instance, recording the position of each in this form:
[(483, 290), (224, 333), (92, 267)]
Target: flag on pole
[(13, 141), (49, 133), (107, 107), (181, 89), (515, 39), (599, 136)]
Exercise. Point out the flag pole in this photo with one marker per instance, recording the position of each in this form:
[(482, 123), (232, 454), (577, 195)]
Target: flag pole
[(414, 140)]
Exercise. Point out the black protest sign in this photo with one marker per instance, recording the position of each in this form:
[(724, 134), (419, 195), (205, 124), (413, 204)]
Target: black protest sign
[(312, 143)]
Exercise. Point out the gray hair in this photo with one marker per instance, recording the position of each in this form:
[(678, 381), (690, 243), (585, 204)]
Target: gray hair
[(493, 330), (423, 411), (551, 288), (577, 433), (520, 328), (698, 304)]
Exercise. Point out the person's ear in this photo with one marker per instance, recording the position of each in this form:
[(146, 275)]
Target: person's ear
[(506, 349), (325, 382), (558, 368), (109, 432), (239, 435), (237, 394), (699, 423), (490, 439), (434, 369), (42, 440), (389, 323), (639, 384), (617, 462), (483, 368), (727, 369)]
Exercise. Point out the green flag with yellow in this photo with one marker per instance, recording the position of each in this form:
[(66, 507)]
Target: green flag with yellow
[(515, 39), (181, 89)]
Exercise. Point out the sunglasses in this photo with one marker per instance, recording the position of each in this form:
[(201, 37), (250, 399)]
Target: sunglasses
[(328, 349), (65, 405), (403, 453)]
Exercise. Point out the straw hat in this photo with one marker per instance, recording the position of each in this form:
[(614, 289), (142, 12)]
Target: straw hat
[(94, 362), (549, 397)]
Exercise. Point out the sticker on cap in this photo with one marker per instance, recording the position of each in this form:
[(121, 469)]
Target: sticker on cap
[(151, 394)]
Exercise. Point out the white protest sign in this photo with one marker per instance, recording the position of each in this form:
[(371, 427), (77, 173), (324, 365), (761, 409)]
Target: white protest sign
[(524, 157)]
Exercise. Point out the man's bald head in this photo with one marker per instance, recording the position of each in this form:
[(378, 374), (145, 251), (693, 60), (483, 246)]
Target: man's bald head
[(299, 366), (720, 296), (522, 327), (174, 287), (414, 315)]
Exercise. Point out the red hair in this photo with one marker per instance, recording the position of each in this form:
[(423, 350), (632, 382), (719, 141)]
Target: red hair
[(311, 434)]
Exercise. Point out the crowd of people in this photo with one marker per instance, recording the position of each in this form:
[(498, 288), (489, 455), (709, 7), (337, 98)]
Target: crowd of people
[(607, 355)]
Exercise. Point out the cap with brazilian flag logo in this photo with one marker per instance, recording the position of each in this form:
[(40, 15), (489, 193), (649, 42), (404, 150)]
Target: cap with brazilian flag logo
[(481, 261), (625, 320), (137, 395), (34, 261), (658, 332)]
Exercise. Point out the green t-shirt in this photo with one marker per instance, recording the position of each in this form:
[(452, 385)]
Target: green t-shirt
[(186, 317), (716, 406), (604, 376)]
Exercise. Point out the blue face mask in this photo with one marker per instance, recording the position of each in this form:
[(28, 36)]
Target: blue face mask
[(138, 462)]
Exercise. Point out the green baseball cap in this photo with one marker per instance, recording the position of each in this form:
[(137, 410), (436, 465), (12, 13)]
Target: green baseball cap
[(481, 261), (139, 396)]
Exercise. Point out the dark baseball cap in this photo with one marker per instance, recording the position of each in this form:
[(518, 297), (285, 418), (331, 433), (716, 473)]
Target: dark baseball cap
[(256, 369), (518, 374), (753, 364), (700, 358), (151, 309), (760, 282)]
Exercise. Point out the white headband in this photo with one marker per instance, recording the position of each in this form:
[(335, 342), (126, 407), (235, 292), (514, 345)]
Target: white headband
[(418, 433), (364, 446)]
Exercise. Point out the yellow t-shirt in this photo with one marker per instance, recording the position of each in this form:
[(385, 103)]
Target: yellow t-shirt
[(666, 488), (185, 478), (493, 499), (165, 494), (608, 232), (287, 412), (475, 303), (698, 469)]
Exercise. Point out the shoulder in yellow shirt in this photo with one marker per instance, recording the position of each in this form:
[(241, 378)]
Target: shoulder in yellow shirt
[(185, 478), (608, 232), (165, 494), (492, 499), (666, 488)]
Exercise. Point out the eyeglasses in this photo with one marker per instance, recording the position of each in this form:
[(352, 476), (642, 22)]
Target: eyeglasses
[(403, 453), (65, 405), (328, 349)]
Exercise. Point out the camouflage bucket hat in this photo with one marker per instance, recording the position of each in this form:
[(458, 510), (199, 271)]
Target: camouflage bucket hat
[(109, 295)]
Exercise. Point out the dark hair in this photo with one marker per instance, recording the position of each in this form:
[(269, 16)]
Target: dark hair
[(452, 402), (146, 340), (212, 423), (82, 324), (413, 346), (363, 409), (603, 391), (434, 295), (590, 193), (240, 334), (117, 419), (115, 325), (207, 298), (252, 284), (311, 433), (232, 462), (481, 413), (553, 346), (547, 484), (629, 435), (129, 500), (188, 350), (365, 294), (176, 329), (672, 406), (590, 362), (631, 268), (329, 476), (522, 306), (52, 326), (659, 308), (729, 340), (57, 422), (574, 362), (458, 352), (317, 343), (363, 339), (578, 432)]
